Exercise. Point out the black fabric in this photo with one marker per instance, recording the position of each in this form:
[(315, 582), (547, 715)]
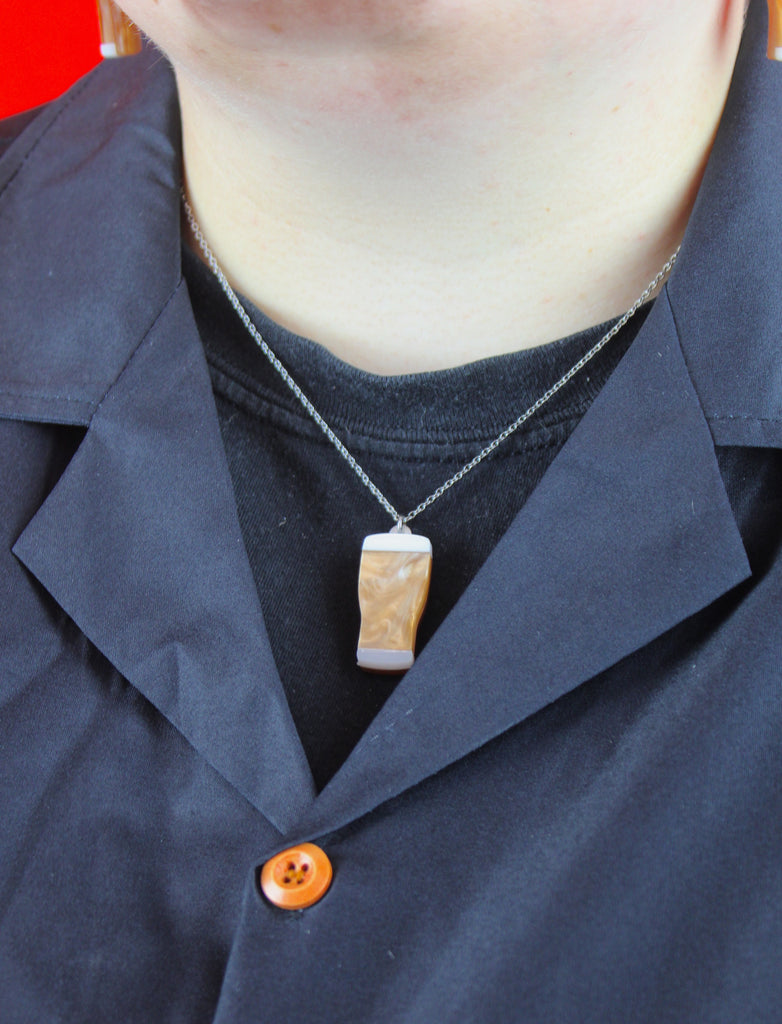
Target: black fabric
[(303, 513), (12, 127)]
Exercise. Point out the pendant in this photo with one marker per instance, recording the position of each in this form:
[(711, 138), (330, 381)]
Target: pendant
[(393, 584)]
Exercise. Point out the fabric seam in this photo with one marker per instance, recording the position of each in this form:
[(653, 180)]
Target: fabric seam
[(75, 93)]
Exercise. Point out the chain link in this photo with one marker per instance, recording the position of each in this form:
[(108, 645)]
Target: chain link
[(399, 519)]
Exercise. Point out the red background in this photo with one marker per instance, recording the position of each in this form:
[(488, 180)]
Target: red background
[(44, 47)]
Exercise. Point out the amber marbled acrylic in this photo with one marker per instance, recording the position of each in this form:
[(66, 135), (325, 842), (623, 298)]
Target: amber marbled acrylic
[(775, 29), (393, 584)]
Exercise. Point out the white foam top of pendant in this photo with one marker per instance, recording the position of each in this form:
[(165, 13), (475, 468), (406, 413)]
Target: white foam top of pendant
[(108, 50), (377, 659), (397, 542)]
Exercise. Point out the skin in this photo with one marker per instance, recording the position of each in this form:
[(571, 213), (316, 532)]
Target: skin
[(420, 183)]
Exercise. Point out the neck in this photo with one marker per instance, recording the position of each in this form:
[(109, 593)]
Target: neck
[(415, 217)]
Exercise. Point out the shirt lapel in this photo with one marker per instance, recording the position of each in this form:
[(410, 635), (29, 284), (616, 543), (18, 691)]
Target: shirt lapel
[(139, 543), (139, 540), (629, 533)]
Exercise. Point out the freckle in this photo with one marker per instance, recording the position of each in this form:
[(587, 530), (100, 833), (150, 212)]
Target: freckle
[(277, 29)]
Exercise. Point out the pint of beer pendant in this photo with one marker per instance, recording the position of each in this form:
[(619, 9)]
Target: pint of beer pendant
[(393, 584)]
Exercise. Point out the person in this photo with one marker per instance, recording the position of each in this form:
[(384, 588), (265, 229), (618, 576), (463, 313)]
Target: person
[(567, 809)]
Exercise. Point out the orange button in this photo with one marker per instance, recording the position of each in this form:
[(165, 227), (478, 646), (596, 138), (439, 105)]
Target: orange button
[(296, 878)]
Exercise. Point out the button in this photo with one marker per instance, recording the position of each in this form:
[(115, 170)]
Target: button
[(296, 878)]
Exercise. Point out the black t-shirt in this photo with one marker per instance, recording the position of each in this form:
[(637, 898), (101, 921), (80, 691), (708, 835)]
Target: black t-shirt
[(304, 513)]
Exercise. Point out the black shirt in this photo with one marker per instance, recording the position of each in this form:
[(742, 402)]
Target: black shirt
[(304, 513)]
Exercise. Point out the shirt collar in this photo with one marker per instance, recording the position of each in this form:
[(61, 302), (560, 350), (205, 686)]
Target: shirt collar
[(89, 249), (725, 291)]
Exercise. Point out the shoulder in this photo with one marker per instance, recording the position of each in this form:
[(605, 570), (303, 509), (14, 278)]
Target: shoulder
[(89, 235)]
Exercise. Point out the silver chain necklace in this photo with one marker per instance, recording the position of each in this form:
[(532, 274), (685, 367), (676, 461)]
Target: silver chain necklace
[(396, 567)]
